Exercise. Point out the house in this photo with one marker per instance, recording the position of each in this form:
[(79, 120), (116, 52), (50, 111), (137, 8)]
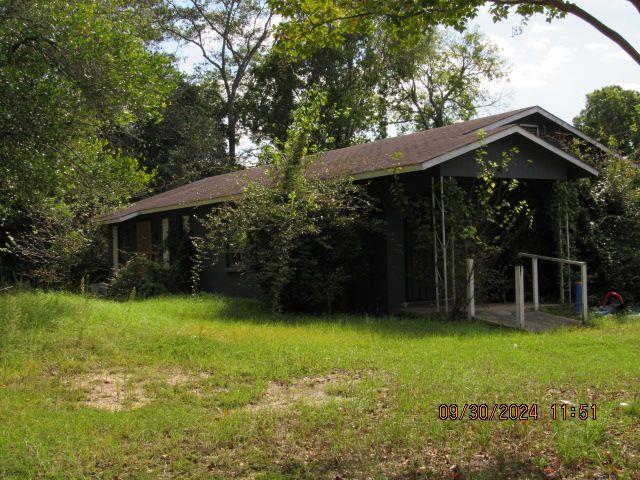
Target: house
[(400, 273)]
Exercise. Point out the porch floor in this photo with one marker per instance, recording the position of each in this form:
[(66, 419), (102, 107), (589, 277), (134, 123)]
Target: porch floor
[(504, 314)]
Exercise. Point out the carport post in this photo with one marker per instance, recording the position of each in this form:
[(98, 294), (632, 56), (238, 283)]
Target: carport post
[(585, 309), (534, 274), (519, 278), (471, 300)]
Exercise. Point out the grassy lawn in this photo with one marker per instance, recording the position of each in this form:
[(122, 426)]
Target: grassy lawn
[(215, 387)]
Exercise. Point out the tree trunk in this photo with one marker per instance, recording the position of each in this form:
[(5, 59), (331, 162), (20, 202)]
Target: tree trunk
[(231, 135)]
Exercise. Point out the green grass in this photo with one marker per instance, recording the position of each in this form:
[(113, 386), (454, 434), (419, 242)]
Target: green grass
[(383, 426)]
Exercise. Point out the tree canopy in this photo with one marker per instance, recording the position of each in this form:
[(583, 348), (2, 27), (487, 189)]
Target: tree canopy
[(612, 116), (67, 71), (325, 21)]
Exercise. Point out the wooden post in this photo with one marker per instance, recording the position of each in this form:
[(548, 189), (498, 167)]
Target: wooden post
[(116, 253), (534, 274), (519, 278), (165, 247), (471, 299), (585, 307)]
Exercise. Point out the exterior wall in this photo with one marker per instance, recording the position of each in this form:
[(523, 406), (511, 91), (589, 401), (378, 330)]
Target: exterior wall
[(216, 276)]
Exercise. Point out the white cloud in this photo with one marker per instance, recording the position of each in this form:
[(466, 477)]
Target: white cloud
[(543, 71), (543, 27), (595, 46), (617, 55), (630, 86), (538, 44)]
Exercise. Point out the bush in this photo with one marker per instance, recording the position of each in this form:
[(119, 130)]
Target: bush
[(300, 238), (140, 277)]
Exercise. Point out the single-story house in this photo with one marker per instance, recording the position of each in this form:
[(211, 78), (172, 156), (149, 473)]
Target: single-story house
[(420, 160)]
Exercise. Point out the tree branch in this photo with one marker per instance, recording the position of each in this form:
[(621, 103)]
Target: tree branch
[(573, 9)]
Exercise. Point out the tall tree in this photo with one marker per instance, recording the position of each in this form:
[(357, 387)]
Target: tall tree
[(612, 116), (320, 20), (231, 35), (351, 75), (68, 72), (444, 78), (187, 144)]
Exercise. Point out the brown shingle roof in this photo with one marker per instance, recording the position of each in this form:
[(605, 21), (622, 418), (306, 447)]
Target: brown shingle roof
[(380, 155)]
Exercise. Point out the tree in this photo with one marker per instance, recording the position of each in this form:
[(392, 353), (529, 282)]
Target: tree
[(321, 21), (422, 81), (352, 75), (443, 78), (231, 35), (68, 72), (187, 144), (612, 116)]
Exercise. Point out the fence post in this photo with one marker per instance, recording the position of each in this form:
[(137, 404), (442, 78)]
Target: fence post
[(471, 300), (519, 278), (585, 307), (534, 274)]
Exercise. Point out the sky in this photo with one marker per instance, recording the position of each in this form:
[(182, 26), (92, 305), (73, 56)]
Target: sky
[(553, 65)]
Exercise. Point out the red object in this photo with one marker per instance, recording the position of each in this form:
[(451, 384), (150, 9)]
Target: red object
[(608, 295)]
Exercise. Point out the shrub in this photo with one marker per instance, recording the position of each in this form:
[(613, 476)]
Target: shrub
[(141, 277), (300, 238)]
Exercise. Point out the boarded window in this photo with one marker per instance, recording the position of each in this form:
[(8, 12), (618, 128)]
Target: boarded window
[(143, 238)]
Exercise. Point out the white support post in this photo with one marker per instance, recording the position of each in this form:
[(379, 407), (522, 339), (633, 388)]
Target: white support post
[(471, 298), (585, 296), (534, 274), (186, 224), (165, 247), (519, 279), (114, 244)]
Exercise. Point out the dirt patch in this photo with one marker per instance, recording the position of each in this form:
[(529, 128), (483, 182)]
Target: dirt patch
[(178, 377), (118, 391), (310, 390), (110, 391)]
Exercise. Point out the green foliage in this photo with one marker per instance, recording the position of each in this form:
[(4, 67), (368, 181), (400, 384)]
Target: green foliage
[(187, 144), (613, 231), (328, 22), (231, 35), (354, 75), (442, 78), (69, 71), (300, 237), (373, 78), (139, 277), (612, 116)]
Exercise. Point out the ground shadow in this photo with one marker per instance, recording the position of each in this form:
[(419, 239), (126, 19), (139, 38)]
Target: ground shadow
[(234, 309)]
